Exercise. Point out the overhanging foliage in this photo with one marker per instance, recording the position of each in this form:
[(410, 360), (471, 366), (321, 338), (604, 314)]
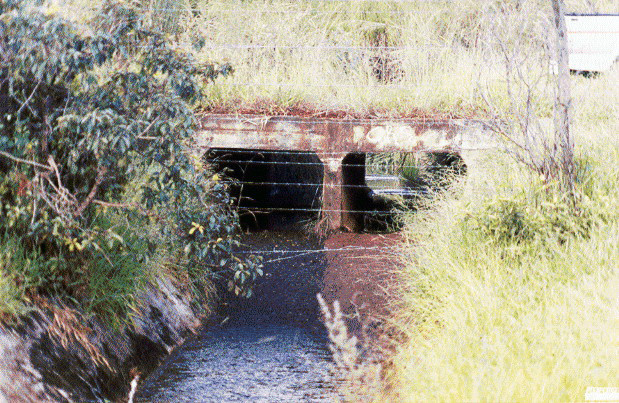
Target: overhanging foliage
[(87, 111)]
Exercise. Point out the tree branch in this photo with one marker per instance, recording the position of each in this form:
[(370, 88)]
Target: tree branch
[(21, 108), (128, 206), (22, 161), (92, 193)]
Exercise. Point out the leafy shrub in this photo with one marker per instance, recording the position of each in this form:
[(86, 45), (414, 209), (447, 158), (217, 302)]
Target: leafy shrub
[(517, 220), (87, 111), (541, 214)]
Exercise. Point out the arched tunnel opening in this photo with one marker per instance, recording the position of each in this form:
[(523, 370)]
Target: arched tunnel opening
[(395, 182), (272, 190), (283, 190)]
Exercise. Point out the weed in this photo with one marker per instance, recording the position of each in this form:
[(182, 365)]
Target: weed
[(11, 297), (360, 376), (67, 327)]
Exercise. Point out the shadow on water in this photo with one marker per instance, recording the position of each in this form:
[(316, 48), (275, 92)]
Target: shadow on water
[(271, 347)]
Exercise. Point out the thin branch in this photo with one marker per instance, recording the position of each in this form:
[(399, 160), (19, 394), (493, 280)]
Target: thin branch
[(128, 206), (100, 249), (142, 135), (21, 108), (92, 193), (62, 191), (22, 161), (115, 205)]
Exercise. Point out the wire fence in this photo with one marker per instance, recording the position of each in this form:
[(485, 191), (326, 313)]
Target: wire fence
[(318, 210), (321, 47), (382, 177), (445, 119), (238, 11), (350, 251), (374, 184), (251, 147), (242, 46), (379, 253), (318, 164), (369, 84)]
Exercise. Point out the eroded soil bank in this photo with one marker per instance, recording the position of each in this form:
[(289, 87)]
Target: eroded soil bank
[(56, 354)]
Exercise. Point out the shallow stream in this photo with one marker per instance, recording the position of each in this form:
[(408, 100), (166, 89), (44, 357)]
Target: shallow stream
[(273, 347)]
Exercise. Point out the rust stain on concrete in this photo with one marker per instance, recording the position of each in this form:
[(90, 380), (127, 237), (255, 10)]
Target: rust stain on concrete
[(333, 139)]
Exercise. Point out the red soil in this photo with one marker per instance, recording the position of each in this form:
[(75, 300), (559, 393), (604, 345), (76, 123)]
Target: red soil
[(360, 279), (306, 110)]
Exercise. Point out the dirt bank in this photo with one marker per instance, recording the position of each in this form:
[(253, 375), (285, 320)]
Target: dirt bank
[(59, 354), (360, 274)]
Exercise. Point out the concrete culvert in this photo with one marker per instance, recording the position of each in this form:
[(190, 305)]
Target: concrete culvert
[(272, 190)]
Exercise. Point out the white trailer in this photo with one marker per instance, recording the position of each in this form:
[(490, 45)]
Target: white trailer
[(593, 41)]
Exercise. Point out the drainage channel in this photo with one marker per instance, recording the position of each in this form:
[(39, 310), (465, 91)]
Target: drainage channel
[(273, 346)]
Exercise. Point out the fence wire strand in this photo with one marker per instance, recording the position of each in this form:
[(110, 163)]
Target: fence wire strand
[(260, 120), (252, 162), (250, 148), (300, 184)]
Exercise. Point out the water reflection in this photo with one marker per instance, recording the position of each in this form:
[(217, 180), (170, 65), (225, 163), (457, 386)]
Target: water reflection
[(273, 347)]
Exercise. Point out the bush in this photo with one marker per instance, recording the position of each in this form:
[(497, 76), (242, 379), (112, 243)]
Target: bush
[(90, 110), (516, 220), (541, 214)]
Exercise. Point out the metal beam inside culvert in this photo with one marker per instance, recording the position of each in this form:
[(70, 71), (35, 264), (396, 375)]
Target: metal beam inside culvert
[(332, 140)]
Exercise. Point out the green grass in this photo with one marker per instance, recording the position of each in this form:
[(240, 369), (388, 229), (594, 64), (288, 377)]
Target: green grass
[(105, 284), (500, 316), (317, 55), (16, 268), (11, 296)]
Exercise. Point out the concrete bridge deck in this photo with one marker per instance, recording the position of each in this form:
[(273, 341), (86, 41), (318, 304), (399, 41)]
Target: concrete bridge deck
[(335, 140)]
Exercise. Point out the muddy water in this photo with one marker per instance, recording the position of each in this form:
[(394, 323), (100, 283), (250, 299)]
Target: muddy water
[(273, 346)]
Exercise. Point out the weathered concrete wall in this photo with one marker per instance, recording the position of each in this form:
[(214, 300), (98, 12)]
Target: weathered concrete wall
[(60, 355), (334, 140), (338, 136)]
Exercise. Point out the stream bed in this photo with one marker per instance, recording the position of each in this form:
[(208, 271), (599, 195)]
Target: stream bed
[(273, 346)]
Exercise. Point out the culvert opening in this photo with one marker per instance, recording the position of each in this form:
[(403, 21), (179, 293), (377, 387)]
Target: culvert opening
[(404, 181), (282, 190), (272, 190)]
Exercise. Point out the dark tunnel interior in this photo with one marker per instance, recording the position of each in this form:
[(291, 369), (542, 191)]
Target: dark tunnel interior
[(282, 190)]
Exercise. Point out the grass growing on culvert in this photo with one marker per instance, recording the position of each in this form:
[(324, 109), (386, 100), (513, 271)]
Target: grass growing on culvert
[(320, 56), (524, 313), (438, 55)]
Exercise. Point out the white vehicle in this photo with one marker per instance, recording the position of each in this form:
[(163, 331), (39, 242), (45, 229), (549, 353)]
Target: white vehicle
[(593, 41)]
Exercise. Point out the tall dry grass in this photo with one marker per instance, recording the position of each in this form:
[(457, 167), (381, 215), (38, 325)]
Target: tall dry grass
[(505, 298), (438, 57)]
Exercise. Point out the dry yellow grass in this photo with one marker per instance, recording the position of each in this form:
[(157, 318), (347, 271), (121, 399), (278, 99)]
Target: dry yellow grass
[(440, 55), (535, 321)]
